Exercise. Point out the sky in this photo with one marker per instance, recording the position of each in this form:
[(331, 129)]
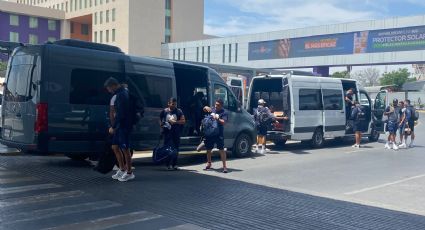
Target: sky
[(237, 17)]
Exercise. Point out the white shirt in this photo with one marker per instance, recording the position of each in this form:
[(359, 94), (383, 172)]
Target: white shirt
[(112, 103)]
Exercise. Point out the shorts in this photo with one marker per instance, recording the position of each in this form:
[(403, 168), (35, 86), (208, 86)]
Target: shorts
[(359, 126), (261, 130), (392, 127), (401, 128), (121, 137), (411, 125), (211, 141)]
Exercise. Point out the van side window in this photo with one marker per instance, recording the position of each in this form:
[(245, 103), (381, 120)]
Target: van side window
[(19, 79), (332, 99), (233, 103), (220, 92), (155, 90), (87, 87), (310, 99)]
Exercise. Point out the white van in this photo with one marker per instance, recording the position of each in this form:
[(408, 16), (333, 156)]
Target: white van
[(314, 105)]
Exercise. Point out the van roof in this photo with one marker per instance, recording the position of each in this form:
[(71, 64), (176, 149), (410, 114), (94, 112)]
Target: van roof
[(293, 74)]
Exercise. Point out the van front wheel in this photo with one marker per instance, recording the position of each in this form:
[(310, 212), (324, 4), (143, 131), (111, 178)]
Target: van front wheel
[(318, 140), (242, 146)]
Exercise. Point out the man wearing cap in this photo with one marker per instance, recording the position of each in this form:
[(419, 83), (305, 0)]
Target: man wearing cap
[(263, 118), (393, 114)]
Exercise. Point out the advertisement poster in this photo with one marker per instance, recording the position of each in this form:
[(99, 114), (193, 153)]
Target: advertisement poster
[(374, 41)]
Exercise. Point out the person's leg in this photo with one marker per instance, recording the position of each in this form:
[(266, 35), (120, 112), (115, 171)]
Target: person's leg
[(263, 143), (119, 156), (223, 160), (176, 142), (127, 156), (209, 156), (358, 138)]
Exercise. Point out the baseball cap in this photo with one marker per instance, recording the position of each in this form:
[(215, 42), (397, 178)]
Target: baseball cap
[(261, 102)]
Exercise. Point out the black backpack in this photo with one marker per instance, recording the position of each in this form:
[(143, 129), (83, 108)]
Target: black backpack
[(263, 118), (415, 113), (136, 109), (361, 115)]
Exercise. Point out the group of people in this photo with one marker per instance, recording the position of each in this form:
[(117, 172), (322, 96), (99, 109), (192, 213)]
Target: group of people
[(171, 121), (401, 119)]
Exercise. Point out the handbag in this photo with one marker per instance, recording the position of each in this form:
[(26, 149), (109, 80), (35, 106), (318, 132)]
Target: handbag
[(407, 130), (162, 154)]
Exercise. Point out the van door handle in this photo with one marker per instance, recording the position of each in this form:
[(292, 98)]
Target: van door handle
[(342, 112), (18, 115)]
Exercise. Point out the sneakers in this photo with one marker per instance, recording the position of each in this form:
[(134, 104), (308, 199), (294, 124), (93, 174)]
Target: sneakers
[(356, 146), (118, 174), (127, 177), (403, 146), (395, 147), (411, 145), (172, 168), (387, 146)]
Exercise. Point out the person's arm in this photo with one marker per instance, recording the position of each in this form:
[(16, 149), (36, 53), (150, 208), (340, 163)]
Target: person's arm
[(207, 109), (111, 115), (222, 118)]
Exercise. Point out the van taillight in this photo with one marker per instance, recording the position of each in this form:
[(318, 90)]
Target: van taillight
[(41, 121)]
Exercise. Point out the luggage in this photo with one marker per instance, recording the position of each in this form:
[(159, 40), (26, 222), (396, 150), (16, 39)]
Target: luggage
[(106, 162), (162, 154)]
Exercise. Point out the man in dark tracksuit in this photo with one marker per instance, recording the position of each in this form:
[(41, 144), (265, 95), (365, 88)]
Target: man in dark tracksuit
[(121, 129)]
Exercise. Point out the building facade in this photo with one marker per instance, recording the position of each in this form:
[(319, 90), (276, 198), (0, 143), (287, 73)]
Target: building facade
[(138, 27), (399, 40)]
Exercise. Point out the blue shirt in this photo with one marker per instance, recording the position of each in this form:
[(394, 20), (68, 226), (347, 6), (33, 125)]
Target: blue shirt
[(222, 115)]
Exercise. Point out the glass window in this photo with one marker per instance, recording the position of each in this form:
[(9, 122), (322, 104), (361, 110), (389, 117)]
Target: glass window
[(72, 5), (203, 56), (95, 18), (113, 35), (101, 17), (167, 38), (364, 100), (107, 16), (107, 36), (101, 37), (168, 4), (85, 3), (209, 54), (155, 90), (381, 100), (332, 99), (310, 99), (167, 22), (33, 39), (51, 24), (95, 36), (230, 53), (113, 15), (220, 92), (87, 87), (14, 37), (233, 102), (236, 52), (33, 22), (81, 4), (224, 53), (51, 39), (197, 54), (19, 78), (84, 29), (14, 20)]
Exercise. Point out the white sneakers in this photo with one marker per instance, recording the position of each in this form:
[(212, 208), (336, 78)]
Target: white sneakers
[(123, 176), (356, 146), (387, 146), (395, 147), (403, 146)]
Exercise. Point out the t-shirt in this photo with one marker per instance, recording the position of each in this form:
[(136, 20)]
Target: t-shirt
[(350, 102), (166, 115), (222, 115), (409, 114), (112, 103), (262, 109), (395, 115), (122, 109)]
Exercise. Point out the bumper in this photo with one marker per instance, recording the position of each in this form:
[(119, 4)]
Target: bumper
[(277, 135), (17, 145)]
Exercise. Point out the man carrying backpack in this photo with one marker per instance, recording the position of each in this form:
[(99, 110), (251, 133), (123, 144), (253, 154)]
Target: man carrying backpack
[(213, 128), (392, 112), (263, 118), (411, 116), (120, 130), (172, 119), (358, 116)]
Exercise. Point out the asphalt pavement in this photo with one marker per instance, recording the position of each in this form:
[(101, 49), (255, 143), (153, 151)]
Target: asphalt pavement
[(295, 187)]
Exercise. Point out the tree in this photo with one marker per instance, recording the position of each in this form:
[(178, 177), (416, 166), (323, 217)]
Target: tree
[(3, 66), (367, 77), (342, 74), (396, 77)]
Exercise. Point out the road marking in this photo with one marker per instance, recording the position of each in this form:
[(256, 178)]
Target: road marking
[(185, 227), (57, 211), (7, 173), (40, 198), (27, 188), (110, 222), (384, 185), (16, 180)]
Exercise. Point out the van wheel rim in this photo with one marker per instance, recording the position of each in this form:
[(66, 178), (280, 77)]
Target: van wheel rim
[(319, 138), (243, 145)]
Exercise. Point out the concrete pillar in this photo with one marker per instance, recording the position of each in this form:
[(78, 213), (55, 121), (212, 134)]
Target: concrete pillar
[(321, 70)]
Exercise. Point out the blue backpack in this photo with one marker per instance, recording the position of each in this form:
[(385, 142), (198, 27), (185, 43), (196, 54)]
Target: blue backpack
[(210, 126)]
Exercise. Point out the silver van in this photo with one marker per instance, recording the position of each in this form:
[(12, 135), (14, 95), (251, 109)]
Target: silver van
[(54, 100)]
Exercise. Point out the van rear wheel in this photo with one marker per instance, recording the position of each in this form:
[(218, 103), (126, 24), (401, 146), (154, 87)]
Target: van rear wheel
[(77, 156), (318, 140), (242, 146)]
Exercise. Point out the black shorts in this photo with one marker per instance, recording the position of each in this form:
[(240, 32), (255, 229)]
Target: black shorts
[(411, 125), (359, 126), (211, 141), (121, 137), (261, 130)]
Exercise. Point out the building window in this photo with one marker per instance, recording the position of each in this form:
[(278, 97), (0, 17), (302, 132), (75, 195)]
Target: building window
[(33, 22), (95, 36), (224, 53), (174, 54), (107, 16), (85, 3), (51, 24), (101, 2), (95, 18), (101, 37), (14, 20), (113, 15), (197, 54), (203, 50), (90, 3), (84, 29), (167, 22), (76, 5), (62, 6), (167, 38), (81, 4), (72, 5), (209, 54), (236, 52), (33, 39), (107, 36), (14, 37), (168, 4), (178, 54), (101, 17), (184, 54), (230, 53), (95, 2), (51, 39), (113, 35), (66, 6)]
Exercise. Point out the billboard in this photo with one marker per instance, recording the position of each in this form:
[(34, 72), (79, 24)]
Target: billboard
[(374, 41)]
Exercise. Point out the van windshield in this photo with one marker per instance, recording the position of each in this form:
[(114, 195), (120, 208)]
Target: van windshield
[(19, 78)]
